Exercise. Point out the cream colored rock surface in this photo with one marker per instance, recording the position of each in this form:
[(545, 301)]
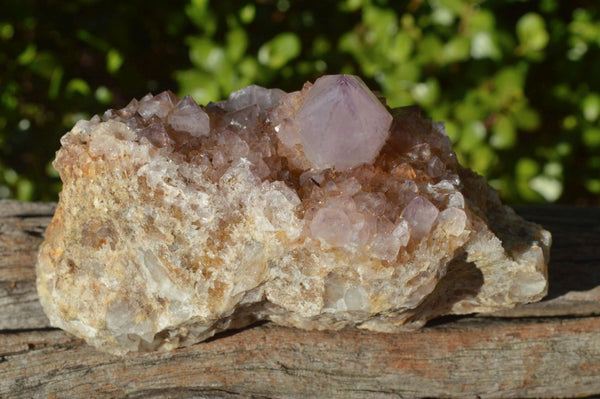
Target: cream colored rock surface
[(178, 221)]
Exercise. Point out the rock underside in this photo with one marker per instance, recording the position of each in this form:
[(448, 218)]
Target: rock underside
[(317, 209)]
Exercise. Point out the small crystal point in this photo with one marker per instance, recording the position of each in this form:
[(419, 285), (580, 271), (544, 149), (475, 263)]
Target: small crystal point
[(155, 134), (251, 95), (158, 105), (189, 117), (342, 123), (420, 214), (331, 225)]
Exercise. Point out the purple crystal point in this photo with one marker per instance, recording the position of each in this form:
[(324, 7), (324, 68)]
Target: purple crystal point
[(189, 117), (342, 123), (420, 214)]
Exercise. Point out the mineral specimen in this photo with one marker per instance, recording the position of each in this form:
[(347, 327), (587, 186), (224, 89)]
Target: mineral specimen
[(317, 209)]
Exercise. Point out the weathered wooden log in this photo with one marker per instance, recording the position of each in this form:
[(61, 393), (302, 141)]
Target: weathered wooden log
[(22, 228), (548, 349)]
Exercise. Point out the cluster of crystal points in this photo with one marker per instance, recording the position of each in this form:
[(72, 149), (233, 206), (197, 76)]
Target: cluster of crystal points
[(317, 209)]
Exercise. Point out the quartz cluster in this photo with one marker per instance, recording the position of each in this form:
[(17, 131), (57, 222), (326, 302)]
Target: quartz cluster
[(317, 209)]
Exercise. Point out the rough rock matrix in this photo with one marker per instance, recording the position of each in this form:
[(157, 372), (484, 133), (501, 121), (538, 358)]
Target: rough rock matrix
[(317, 209)]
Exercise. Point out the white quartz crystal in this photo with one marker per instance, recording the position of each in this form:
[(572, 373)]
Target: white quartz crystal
[(316, 209), (251, 95)]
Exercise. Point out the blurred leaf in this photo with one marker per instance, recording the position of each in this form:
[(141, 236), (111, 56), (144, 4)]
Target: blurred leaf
[(351, 5), (382, 22), (482, 159), (283, 5), (578, 49), (43, 64), (454, 6), (591, 107), (570, 122), (8, 98), (213, 60), (553, 169), (484, 46), (321, 46), (350, 42), (114, 60), (10, 176), (6, 31), (585, 27), (78, 86), (481, 20), (547, 187), (249, 68), (467, 110), (472, 137), (593, 185), (591, 137), (200, 49), (509, 83), (503, 133), (237, 42), (103, 95), (527, 118), (228, 78), (430, 49), (564, 149), (427, 93), (70, 119), (55, 83), (403, 75), (92, 40), (25, 190), (456, 49), (247, 13), (280, 50), (28, 55), (452, 131), (525, 170), (200, 85), (593, 163), (51, 171), (442, 15), (407, 24), (549, 6), (531, 31), (400, 48), (200, 15)]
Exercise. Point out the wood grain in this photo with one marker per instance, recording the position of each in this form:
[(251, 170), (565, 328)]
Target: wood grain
[(22, 227), (549, 349)]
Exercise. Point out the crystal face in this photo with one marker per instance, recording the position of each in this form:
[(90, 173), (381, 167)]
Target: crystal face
[(187, 116), (315, 209), (341, 123), (251, 96)]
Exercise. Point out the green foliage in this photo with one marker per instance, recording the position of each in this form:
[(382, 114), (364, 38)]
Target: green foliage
[(63, 61), (515, 81)]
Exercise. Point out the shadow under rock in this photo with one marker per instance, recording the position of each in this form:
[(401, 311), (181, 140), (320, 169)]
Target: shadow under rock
[(234, 331), (462, 281)]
